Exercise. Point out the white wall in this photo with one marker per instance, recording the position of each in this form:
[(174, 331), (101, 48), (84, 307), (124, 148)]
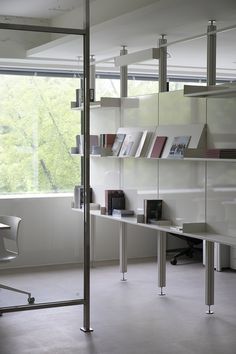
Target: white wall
[(52, 233)]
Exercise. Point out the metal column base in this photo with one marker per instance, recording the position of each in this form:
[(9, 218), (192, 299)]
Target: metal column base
[(209, 312), (85, 330), (161, 293), (123, 250)]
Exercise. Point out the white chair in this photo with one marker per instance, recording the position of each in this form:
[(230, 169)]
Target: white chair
[(7, 255)]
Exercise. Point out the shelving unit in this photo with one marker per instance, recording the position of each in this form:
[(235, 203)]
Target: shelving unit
[(169, 114)]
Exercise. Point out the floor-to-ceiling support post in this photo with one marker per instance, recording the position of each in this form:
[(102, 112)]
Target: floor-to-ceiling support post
[(86, 63), (211, 80), (211, 53), (123, 76), (123, 250), (161, 260), (209, 276), (163, 64), (123, 233)]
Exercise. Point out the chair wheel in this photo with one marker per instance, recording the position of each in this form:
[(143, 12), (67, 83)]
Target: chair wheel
[(31, 300), (173, 261)]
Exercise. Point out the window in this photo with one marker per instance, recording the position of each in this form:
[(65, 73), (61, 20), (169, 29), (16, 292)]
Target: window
[(37, 130)]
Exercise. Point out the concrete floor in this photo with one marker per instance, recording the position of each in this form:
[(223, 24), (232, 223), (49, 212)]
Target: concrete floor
[(127, 317)]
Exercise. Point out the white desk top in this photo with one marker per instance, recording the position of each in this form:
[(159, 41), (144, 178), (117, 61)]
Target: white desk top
[(208, 236)]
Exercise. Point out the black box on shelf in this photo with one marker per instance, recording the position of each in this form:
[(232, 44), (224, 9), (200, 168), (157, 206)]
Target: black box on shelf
[(152, 210)]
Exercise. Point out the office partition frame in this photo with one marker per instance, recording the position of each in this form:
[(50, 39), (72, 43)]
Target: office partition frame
[(85, 32)]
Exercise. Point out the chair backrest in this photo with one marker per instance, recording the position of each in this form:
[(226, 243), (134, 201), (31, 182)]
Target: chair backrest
[(12, 233)]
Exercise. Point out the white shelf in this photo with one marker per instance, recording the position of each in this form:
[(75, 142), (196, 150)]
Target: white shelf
[(202, 159), (208, 236), (105, 102), (220, 91)]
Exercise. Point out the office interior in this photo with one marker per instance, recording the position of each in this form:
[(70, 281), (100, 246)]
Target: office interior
[(41, 71)]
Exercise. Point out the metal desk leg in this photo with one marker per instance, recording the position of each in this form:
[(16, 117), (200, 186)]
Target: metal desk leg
[(209, 276), (161, 260), (123, 250), (92, 240)]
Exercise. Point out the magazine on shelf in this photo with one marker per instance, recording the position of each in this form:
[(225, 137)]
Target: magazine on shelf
[(117, 144), (179, 144), (130, 144), (141, 147), (107, 140), (158, 146), (93, 141)]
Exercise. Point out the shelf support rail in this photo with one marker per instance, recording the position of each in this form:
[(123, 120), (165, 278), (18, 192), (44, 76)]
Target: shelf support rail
[(124, 75), (211, 80), (163, 64), (211, 53)]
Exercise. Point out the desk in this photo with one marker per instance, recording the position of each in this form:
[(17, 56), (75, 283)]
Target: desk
[(210, 239)]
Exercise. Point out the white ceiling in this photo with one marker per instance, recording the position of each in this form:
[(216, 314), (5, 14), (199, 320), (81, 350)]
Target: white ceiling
[(135, 23)]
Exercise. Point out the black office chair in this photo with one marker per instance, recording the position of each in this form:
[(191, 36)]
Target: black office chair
[(187, 251)]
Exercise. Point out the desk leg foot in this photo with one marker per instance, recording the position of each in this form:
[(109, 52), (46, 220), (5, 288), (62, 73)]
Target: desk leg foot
[(123, 277), (161, 293), (209, 312), (85, 330)]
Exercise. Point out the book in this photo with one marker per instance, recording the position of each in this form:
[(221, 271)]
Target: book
[(130, 144), (178, 146), (152, 210), (114, 199), (118, 213), (117, 144), (158, 146), (140, 149)]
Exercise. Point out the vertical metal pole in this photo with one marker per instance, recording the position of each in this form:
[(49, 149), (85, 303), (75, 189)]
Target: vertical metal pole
[(161, 260), (163, 64), (86, 62), (123, 76), (211, 53), (211, 80), (209, 276), (123, 233), (123, 250)]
